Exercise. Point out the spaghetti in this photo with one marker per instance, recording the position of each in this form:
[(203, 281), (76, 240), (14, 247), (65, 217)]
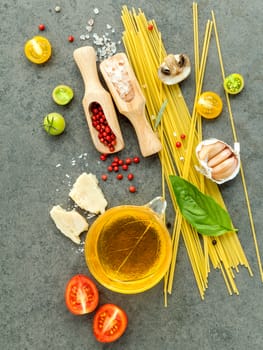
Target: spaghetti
[(145, 48)]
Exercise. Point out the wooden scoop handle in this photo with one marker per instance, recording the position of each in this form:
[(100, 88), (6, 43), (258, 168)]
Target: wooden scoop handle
[(133, 105), (85, 58), (148, 140)]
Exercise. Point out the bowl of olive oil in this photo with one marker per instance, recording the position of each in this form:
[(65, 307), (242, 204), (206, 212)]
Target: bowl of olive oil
[(128, 248)]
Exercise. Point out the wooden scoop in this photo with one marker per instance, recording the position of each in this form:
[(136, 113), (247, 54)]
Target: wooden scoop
[(128, 97), (85, 58)]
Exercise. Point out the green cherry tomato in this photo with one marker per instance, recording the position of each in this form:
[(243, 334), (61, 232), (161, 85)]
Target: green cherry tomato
[(234, 83), (54, 123), (62, 94)]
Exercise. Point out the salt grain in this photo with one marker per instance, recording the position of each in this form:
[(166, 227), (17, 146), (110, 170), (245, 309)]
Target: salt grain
[(91, 22), (96, 11), (89, 28)]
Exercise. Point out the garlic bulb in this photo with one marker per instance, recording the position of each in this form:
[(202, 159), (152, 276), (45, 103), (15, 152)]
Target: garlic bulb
[(218, 161), (174, 69)]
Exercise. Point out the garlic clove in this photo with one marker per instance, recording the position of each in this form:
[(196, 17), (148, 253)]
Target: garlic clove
[(209, 151), (220, 157), (223, 170), (218, 161)]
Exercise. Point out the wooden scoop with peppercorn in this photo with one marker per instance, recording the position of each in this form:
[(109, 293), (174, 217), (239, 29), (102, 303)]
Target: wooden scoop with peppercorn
[(127, 95), (98, 105)]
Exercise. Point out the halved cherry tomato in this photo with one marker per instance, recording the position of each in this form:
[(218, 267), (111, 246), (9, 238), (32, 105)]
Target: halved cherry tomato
[(62, 94), (109, 323), (38, 49), (234, 83), (81, 296), (209, 105)]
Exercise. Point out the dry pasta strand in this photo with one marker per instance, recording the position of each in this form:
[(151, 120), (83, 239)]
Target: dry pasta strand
[(146, 51)]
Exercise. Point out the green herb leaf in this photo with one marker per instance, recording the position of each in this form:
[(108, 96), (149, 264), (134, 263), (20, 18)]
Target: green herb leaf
[(200, 210), (160, 114)]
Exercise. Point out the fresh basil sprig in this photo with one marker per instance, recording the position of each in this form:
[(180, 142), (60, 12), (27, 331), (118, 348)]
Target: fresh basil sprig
[(200, 210)]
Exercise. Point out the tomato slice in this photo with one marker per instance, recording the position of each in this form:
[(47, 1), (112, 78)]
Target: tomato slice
[(62, 94), (209, 105), (38, 49), (81, 296), (109, 323), (234, 83)]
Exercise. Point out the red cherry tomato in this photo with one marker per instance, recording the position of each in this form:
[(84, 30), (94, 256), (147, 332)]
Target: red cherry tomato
[(81, 296), (109, 323)]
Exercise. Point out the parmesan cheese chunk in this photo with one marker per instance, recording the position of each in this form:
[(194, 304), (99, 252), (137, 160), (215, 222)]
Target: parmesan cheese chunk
[(87, 194), (70, 223)]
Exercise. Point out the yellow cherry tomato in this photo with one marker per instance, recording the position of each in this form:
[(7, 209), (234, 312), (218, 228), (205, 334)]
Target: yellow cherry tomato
[(38, 49), (234, 83), (209, 105)]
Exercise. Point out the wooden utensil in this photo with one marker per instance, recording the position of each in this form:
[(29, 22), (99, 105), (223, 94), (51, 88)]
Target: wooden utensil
[(85, 58), (127, 95)]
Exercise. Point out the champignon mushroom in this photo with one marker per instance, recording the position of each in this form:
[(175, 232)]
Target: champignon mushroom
[(174, 69)]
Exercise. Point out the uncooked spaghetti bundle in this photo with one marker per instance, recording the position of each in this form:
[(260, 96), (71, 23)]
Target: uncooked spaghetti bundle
[(180, 132)]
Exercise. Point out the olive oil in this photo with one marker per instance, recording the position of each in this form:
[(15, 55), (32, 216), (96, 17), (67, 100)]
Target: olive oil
[(128, 248)]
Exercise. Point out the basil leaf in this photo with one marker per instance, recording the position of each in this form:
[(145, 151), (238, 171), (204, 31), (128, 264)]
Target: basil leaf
[(200, 210)]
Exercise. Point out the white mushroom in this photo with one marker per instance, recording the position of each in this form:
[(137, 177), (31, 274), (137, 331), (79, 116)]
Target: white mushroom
[(174, 69)]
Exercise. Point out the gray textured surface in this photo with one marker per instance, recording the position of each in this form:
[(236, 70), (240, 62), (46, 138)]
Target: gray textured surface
[(37, 261)]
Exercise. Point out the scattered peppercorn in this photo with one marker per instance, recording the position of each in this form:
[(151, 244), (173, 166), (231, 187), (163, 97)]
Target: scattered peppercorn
[(214, 241), (128, 161), (168, 225), (132, 189), (71, 38), (183, 136), (117, 163), (41, 27), (150, 27), (136, 160), (103, 157), (178, 144)]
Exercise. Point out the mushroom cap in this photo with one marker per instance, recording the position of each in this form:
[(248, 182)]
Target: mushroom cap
[(174, 69)]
